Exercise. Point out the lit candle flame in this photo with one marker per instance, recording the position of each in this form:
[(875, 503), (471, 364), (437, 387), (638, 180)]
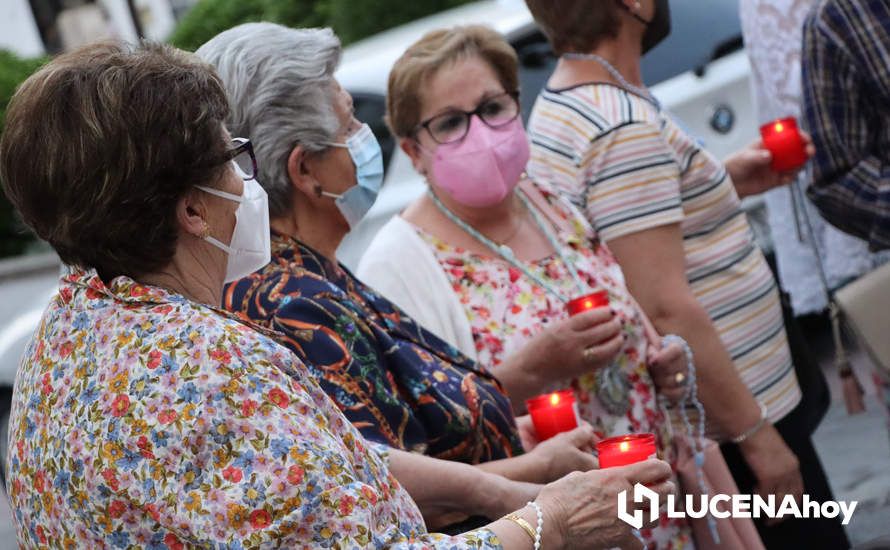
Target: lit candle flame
[(624, 446), (554, 399), (780, 127)]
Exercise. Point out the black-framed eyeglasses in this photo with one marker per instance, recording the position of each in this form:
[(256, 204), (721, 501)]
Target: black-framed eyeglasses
[(452, 126), (241, 152)]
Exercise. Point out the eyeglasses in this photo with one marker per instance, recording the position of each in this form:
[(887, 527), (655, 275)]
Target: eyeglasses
[(453, 126), (242, 153)]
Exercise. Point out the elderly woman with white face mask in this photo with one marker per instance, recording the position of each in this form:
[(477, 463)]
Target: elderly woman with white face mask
[(144, 416)]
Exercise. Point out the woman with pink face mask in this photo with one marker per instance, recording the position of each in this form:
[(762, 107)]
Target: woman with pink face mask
[(488, 259)]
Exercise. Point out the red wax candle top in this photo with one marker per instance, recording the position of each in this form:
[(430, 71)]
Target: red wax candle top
[(553, 413), (782, 138), (600, 298), (625, 449)]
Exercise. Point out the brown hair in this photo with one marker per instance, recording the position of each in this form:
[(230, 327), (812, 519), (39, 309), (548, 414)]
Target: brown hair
[(101, 143), (576, 25), (426, 56)]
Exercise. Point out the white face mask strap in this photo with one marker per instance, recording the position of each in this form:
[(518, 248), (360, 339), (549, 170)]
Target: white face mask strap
[(217, 243), (221, 194), (359, 136), (330, 195)]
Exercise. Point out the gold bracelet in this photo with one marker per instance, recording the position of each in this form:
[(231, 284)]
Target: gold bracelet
[(526, 526)]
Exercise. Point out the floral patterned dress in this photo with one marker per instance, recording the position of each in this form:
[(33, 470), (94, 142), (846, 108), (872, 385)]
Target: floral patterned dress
[(506, 309), (399, 384), (143, 420)]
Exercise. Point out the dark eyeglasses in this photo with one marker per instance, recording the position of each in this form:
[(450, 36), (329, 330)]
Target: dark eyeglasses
[(452, 126), (242, 153)]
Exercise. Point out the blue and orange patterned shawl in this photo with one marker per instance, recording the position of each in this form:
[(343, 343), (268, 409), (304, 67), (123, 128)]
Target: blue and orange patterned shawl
[(397, 383)]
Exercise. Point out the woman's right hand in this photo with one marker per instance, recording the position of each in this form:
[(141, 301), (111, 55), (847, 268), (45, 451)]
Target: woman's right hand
[(581, 509), (566, 349), (574, 346)]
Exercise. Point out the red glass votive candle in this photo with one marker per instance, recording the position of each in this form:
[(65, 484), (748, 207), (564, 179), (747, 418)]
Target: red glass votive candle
[(553, 413), (626, 449), (782, 138), (600, 298)]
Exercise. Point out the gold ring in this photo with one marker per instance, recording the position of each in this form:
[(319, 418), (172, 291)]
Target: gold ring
[(680, 378), (588, 354)]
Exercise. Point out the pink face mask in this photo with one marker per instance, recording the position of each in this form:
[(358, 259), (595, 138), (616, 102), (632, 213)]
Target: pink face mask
[(484, 168)]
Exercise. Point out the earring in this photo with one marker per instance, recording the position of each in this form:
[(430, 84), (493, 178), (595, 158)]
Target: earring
[(205, 232), (637, 5)]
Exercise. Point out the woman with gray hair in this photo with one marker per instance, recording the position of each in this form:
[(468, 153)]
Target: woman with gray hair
[(399, 384)]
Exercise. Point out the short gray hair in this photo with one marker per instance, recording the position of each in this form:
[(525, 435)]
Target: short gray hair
[(279, 83)]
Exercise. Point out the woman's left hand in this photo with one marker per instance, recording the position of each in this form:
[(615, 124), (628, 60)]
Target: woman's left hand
[(751, 172), (669, 371)]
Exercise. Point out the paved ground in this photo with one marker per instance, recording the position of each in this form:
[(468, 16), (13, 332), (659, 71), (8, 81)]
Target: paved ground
[(855, 450), (856, 455)]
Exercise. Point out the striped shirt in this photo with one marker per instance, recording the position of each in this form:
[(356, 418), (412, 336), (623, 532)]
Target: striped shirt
[(631, 168), (846, 93)]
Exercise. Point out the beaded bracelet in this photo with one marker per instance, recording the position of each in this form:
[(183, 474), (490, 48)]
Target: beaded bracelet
[(540, 528), (764, 415)]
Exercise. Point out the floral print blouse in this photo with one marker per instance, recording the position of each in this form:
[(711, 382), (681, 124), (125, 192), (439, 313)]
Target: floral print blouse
[(506, 309), (144, 420), (399, 384)]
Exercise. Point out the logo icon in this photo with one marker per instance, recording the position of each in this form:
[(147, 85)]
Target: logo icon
[(641, 494)]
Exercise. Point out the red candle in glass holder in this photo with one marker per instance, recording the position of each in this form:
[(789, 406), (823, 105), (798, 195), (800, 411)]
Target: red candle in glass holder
[(626, 449), (553, 413), (600, 298), (782, 138)]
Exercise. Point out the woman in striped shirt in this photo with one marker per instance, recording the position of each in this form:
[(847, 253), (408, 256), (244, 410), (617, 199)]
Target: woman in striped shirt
[(671, 214)]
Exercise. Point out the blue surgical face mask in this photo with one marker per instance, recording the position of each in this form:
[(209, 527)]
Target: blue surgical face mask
[(368, 160)]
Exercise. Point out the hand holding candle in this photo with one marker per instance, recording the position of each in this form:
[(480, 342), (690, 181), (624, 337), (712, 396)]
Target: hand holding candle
[(553, 413), (600, 298), (569, 347), (772, 161), (626, 449), (783, 140)]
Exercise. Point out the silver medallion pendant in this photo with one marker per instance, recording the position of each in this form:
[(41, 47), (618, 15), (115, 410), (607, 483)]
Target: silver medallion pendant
[(613, 390)]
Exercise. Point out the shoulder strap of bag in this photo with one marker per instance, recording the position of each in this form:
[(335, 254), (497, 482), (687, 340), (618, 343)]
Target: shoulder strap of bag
[(852, 388)]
